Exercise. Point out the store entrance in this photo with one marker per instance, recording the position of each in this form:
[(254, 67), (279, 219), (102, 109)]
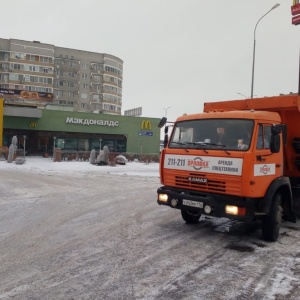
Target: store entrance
[(26, 139), (43, 142)]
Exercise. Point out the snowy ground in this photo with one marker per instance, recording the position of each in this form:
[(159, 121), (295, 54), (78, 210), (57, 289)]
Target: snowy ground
[(71, 230)]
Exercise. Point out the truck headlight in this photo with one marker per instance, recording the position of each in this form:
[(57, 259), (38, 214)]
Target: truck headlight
[(163, 197), (235, 210)]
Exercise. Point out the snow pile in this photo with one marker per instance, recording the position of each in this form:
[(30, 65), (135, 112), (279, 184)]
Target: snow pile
[(40, 164)]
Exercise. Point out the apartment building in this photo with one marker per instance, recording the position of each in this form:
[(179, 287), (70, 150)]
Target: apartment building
[(35, 74)]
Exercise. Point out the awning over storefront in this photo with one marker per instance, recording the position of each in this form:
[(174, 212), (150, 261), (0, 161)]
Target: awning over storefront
[(25, 112)]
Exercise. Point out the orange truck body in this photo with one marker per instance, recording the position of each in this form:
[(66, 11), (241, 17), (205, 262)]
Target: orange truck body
[(204, 178)]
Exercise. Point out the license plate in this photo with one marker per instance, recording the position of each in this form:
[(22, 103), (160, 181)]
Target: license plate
[(192, 203)]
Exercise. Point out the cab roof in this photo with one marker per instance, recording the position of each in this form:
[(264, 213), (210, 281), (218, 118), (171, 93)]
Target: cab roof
[(236, 114)]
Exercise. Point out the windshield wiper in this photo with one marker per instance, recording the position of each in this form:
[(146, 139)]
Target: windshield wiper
[(224, 146), (199, 144), (183, 144), (211, 144), (178, 143)]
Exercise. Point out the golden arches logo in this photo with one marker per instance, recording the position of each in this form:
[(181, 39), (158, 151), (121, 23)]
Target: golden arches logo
[(32, 124), (146, 125)]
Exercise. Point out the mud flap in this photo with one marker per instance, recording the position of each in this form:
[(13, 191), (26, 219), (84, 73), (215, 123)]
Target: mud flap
[(296, 201)]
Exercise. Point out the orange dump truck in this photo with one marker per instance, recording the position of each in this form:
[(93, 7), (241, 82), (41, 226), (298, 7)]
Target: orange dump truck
[(238, 159)]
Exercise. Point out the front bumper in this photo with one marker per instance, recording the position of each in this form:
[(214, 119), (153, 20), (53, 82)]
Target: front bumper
[(216, 202)]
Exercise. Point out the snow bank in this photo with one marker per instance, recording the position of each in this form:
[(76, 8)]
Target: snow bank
[(40, 164)]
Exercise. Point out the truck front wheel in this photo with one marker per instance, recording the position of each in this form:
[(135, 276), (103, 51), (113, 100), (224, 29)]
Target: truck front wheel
[(189, 216), (272, 222)]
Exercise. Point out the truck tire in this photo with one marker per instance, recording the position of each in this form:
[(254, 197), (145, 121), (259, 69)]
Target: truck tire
[(190, 217), (272, 222)]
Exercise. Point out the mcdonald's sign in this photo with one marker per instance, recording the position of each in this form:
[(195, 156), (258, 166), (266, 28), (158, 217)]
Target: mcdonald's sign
[(146, 125), (32, 124), (146, 128)]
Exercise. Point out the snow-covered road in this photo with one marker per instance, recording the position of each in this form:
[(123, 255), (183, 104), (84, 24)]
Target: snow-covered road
[(71, 231)]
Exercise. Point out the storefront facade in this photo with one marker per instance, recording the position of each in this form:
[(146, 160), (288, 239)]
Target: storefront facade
[(45, 129)]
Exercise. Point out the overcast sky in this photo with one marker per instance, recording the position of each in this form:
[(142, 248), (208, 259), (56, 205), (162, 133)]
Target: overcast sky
[(176, 53)]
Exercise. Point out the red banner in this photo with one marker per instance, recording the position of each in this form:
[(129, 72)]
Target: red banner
[(295, 9), (296, 20)]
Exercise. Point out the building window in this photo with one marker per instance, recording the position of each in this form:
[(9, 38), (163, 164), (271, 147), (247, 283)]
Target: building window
[(109, 107), (113, 70), (19, 55), (96, 97), (84, 76), (84, 105), (4, 56), (44, 59)]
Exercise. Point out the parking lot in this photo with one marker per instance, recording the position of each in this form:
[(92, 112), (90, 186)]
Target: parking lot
[(103, 236)]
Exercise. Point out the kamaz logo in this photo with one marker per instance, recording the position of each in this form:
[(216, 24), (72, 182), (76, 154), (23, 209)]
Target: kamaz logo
[(146, 125), (197, 179)]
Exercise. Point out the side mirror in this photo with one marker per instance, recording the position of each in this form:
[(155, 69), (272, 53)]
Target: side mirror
[(276, 129), (275, 143), (166, 138), (162, 122)]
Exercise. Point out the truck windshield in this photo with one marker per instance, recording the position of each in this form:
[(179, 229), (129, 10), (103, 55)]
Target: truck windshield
[(229, 134)]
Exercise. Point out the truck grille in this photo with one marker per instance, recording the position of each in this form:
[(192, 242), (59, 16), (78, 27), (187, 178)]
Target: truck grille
[(205, 182)]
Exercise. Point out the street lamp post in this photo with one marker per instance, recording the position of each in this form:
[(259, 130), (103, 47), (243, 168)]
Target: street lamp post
[(100, 145), (166, 110), (254, 44), (243, 95)]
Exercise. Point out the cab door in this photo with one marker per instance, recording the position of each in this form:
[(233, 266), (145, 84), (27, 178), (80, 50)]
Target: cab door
[(267, 165)]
